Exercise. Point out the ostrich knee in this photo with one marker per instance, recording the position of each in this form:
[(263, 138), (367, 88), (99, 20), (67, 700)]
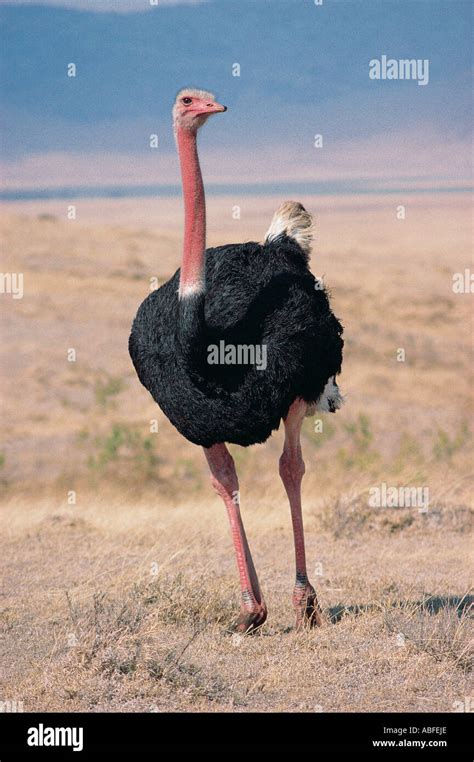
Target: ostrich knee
[(292, 469), (224, 477)]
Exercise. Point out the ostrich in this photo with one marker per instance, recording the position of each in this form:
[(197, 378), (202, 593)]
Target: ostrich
[(249, 295)]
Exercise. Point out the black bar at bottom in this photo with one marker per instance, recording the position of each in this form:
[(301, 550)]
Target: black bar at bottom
[(427, 735)]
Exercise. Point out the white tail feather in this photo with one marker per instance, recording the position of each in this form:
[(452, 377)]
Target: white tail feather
[(292, 219)]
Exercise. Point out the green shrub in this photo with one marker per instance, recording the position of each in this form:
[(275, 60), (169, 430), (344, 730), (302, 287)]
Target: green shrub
[(445, 447), (123, 452)]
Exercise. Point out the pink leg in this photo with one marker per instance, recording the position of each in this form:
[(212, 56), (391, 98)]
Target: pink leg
[(224, 480), (291, 471)]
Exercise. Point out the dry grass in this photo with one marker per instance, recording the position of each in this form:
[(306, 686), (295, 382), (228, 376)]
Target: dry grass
[(117, 567), (126, 608)]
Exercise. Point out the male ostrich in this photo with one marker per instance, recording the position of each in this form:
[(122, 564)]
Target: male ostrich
[(245, 295)]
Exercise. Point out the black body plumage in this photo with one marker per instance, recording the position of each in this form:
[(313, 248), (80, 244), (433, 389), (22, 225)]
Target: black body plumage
[(257, 295)]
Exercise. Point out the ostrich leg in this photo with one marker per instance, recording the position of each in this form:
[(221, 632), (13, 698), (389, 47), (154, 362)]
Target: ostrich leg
[(291, 471), (253, 611)]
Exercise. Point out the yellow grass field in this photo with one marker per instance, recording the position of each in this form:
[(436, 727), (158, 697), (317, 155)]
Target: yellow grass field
[(117, 567)]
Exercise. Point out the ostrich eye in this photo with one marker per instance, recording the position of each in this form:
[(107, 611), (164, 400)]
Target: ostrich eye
[(187, 101)]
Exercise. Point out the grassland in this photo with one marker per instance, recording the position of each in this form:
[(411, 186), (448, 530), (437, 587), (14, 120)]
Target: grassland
[(117, 565)]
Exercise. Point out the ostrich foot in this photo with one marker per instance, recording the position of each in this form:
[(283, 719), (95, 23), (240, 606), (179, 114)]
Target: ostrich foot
[(249, 621), (307, 609)]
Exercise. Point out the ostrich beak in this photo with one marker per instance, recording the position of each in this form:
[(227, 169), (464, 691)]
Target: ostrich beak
[(211, 108)]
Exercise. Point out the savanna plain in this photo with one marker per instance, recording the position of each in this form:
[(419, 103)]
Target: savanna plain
[(118, 580)]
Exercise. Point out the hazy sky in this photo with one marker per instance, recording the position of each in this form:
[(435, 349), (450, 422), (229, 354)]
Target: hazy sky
[(304, 70), (120, 6)]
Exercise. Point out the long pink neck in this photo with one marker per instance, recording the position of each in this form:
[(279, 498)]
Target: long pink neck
[(192, 267)]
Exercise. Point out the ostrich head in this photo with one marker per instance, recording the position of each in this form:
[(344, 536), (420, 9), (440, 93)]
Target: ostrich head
[(193, 107)]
